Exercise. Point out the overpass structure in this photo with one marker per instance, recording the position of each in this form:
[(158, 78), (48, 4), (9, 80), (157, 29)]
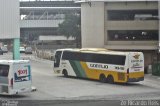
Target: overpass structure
[(42, 17)]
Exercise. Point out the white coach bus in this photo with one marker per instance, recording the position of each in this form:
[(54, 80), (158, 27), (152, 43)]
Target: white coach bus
[(100, 64)]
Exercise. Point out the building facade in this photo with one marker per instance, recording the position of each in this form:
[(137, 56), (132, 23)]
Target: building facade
[(42, 18), (122, 25)]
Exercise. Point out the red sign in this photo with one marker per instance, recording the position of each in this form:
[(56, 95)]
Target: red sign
[(20, 72)]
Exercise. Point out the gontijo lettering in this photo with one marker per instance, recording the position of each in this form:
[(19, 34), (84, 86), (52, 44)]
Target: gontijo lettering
[(99, 66)]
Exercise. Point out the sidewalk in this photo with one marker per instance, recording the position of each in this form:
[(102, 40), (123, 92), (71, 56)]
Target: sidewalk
[(152, 81), (37, 59), (152, 76)]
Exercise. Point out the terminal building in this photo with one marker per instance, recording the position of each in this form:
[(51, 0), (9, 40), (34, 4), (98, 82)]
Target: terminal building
[(126, 25), (42, 17)]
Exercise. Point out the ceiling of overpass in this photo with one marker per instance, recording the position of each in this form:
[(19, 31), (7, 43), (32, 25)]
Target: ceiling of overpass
[(49, 4), (53, 7)]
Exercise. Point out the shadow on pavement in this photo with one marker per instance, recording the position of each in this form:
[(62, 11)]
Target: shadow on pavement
[(13, 96), (100, 83)]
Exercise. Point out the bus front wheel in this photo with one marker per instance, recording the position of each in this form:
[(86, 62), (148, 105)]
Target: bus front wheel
[(110, 79), (65, 73), (102, 78)]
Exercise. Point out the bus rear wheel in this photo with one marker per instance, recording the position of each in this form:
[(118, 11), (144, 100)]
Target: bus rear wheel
[(102, 78), (110, 79), (65, 73)]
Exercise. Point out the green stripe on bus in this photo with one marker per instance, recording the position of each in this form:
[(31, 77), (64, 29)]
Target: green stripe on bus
[(77, 68), (80, 69), (73, 64)]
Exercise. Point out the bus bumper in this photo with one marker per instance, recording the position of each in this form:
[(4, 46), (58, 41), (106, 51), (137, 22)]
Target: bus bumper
[(135, 79)]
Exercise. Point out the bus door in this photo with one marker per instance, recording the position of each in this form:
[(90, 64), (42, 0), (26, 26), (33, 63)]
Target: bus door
[(57, 58)]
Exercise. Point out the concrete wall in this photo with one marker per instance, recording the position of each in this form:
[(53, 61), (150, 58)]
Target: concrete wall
[(39, 23), (9, 19), (159, 25), (131, 5), (132, 25), (54, 38), (132, 45), (92, 16)]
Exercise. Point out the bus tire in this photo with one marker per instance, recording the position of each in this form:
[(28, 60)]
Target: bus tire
[(65, 73), (110, 79), (102, 78)]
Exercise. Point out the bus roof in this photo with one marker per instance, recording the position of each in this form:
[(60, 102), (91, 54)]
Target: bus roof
[(94, 50)]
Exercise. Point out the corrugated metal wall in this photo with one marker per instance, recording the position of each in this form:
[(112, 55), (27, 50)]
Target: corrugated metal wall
[(9, 19)]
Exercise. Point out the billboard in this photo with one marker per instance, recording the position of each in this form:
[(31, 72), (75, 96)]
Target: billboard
[(9, 19)]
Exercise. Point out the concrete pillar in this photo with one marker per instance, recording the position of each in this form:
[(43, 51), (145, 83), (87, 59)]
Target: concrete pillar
[(16, 46), (159, 26), (92, 24)]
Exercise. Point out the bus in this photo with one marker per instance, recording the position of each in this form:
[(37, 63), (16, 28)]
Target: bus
[(15, 77), (100, 64)]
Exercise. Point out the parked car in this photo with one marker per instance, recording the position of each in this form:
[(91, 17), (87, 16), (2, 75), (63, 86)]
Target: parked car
[(22, 50), (1, 52), (28, 50), (4, 49)]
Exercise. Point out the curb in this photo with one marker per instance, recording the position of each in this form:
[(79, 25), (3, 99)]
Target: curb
[(37, 59), (150, 76)]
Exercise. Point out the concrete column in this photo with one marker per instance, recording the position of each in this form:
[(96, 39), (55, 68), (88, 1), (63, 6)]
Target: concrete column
[(159, 26), (92, 24), (16, 52)]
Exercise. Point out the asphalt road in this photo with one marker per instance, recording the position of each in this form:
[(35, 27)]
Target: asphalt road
[(55, 89)]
